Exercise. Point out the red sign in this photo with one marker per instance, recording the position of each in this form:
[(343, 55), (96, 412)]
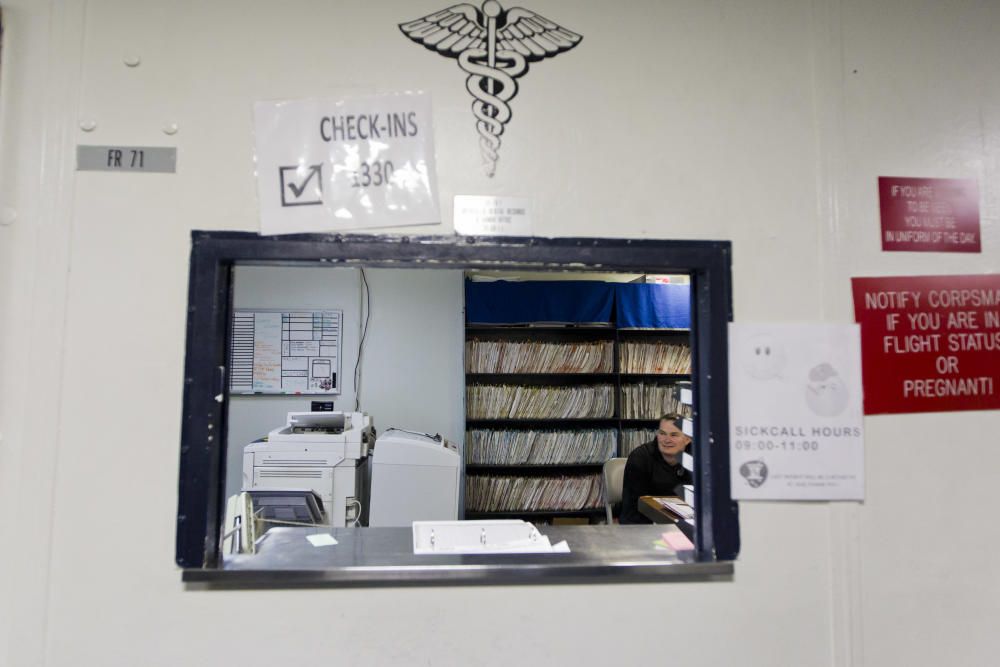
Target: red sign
[(929, 214), (929, 343)]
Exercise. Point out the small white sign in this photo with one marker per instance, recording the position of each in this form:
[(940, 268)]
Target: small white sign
[(344, 164), (795, 415), (492, 216), (321, 540)]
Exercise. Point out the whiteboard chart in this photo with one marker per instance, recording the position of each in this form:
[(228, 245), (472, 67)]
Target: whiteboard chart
[(286, 352)]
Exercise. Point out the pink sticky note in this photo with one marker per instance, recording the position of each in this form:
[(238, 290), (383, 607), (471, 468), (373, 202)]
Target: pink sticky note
[(678, 541)]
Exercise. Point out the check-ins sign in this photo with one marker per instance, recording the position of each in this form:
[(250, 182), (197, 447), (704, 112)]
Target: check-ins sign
[(345, 164)]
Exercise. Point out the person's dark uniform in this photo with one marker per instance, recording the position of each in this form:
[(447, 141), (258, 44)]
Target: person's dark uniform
[(648, 474)]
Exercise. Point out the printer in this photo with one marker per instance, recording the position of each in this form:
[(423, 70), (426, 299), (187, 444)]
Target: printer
[(324, 452), (415, 477)]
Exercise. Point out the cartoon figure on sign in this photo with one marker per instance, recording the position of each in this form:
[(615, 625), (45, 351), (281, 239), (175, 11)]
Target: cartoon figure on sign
[(766, 358), (493, 46), (826, 393), (754, 472)]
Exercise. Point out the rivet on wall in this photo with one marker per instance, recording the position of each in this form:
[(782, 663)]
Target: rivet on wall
[(170, 128), (88, 125), (7, 216), (131, 60)]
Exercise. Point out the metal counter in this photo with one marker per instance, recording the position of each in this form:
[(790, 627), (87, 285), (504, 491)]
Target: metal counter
[(373, 556)]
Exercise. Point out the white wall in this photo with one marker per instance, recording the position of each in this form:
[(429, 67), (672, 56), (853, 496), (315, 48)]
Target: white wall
[(918, 95), (765, 122), (412, 363)]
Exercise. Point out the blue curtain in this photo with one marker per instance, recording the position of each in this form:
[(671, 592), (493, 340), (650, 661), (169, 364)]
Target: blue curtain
[(570, 302), (636, 305), (653, 306)]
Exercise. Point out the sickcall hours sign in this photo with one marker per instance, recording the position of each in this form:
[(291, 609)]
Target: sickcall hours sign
[(929, 343)]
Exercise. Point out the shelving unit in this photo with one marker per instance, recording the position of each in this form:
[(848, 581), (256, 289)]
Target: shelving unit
[(575, 459), (638, 423), (685, 398), (534, 516), (523, 467)]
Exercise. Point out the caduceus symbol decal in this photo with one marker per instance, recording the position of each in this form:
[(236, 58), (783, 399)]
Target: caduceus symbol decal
[(493, 46)]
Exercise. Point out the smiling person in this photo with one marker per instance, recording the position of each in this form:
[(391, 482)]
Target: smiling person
[(654, 468)]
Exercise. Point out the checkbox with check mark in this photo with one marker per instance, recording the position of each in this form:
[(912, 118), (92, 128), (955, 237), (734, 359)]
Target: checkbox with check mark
[(301, 186)]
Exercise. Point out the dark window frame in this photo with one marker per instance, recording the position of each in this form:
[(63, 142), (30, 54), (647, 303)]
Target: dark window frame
[(213, 254)]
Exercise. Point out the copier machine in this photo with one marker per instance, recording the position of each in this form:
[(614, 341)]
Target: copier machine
[(324, 452)]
